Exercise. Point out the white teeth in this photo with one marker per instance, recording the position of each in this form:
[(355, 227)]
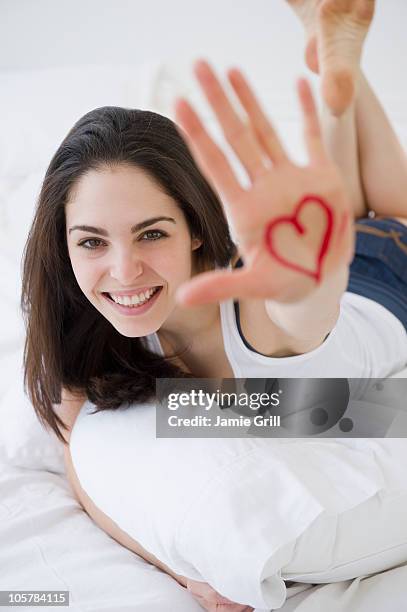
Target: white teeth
[(133, 300)]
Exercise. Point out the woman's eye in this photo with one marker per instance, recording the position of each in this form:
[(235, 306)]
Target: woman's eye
[(89, 248), (148, 236), (156, 235)]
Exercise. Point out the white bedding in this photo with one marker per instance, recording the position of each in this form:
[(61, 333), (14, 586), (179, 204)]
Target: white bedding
[(46, 540)]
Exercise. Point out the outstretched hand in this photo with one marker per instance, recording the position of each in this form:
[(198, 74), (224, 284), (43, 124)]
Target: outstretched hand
[(292, 224)]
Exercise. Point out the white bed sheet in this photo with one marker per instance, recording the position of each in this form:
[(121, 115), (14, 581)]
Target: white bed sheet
[(383, 592), (48, 542)]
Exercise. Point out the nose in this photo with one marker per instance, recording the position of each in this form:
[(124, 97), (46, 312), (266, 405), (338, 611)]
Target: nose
[(126, 267)]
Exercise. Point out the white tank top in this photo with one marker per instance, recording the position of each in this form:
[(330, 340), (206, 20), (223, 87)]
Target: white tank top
[(368, 341)]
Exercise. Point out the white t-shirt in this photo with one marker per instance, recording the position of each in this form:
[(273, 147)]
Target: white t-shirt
[(368, 341)]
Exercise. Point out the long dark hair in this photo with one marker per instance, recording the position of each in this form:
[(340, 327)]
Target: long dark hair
[(69, 344)]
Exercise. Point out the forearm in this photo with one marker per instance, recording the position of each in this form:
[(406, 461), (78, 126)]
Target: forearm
[(311, 319)]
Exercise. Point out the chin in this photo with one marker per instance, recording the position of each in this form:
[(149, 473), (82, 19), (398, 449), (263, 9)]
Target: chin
[(134, 329)]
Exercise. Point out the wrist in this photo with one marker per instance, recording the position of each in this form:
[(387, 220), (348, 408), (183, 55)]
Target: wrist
[(314, 315)]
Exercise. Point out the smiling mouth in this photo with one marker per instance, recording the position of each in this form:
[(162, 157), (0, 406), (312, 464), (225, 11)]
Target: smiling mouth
[(135, 305)]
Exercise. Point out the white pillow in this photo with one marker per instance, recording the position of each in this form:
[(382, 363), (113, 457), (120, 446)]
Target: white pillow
[(18, 212), (24, 442), (245, 514)]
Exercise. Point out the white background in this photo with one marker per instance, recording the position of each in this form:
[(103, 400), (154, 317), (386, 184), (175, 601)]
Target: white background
[(262, 36)]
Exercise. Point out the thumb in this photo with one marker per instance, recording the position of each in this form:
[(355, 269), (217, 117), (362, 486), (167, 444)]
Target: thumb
[(211, 287)]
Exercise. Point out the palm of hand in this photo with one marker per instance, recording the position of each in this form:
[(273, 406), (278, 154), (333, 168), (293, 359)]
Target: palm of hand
[(292, 229), (292, 224)]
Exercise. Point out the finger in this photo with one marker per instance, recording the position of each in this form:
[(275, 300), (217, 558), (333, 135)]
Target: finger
[(208, 155), (261, 124), (312, 129), (238, 134), (211, 287)]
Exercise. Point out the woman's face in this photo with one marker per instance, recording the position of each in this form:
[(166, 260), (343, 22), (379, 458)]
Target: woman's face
[(136, 240)]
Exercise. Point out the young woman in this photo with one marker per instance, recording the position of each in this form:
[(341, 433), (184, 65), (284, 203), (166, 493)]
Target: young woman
[(128, 235)]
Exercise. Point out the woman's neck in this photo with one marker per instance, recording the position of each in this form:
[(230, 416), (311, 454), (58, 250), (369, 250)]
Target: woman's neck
[(190, 324)]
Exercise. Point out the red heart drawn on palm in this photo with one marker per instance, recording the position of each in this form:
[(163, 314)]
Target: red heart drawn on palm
[(282, 255)]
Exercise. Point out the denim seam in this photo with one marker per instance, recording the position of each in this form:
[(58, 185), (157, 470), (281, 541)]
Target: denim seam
[(395, 236)]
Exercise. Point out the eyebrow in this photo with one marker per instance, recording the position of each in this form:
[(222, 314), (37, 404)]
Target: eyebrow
[(135, 228)]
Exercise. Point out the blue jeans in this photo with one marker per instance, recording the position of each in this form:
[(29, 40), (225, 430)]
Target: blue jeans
[(379, 268)]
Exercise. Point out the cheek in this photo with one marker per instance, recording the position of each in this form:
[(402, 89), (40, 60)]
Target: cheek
[(86, 272)]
